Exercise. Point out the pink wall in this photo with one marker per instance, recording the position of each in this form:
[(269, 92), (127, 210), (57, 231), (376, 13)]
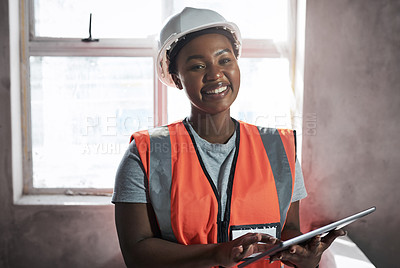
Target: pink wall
[(352, 86)]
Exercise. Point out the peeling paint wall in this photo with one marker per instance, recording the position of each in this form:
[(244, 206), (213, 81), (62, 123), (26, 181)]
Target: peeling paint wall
[(352, 85), (5, 136), (63, 236)]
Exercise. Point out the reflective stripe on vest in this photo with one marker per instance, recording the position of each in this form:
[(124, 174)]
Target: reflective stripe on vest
[(283, 170), (186, 205)]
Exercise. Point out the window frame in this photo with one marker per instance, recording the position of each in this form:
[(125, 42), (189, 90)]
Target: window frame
[(31, 45)]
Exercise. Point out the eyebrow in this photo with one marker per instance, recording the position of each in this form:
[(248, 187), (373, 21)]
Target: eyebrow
[(216, 54), (222, 51)]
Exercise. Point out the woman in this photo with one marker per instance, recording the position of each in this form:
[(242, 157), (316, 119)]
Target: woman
[(204, 191)]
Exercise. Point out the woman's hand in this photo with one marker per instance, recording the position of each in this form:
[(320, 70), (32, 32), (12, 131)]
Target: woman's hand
[(308, 255), (228, 254)]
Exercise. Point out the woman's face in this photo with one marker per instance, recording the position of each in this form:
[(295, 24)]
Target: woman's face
[(207, 70)]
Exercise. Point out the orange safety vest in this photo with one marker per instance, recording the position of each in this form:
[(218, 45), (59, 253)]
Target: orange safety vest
[(186, 201)]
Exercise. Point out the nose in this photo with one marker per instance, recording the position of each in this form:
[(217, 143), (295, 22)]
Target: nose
[(213, 73)]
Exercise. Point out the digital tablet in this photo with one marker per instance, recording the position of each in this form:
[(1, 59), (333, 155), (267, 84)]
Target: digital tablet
[(304, 237)]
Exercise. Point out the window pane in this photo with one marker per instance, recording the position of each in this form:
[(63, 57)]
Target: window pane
[(84, 110), (257, 19), (110, 19), (265, 96), (178, 104)]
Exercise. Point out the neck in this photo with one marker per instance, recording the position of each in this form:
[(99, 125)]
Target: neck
[(213, 128)]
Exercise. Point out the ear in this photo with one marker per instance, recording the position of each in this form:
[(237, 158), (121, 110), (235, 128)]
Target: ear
[(177, 81)]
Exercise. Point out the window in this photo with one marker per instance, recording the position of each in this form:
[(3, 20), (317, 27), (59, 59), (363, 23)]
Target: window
[(83, 100)]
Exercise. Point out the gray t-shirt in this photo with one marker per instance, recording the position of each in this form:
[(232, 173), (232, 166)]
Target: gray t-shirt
[(131, 180)]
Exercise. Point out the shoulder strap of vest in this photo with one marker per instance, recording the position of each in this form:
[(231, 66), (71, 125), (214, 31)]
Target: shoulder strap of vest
[(279, 145), (280, 148), (155, 147)]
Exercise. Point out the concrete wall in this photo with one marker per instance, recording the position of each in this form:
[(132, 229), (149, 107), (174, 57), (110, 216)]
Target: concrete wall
[(352, 85), (5, 133)]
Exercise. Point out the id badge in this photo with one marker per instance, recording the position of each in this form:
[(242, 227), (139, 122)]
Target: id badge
[(268, 228)]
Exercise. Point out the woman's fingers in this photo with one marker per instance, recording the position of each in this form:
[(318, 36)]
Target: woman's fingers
[(308, 254), (237, 252), (331, 236), (251, 243), (250, 238), (245, 245), (314, 243), (268, 239)]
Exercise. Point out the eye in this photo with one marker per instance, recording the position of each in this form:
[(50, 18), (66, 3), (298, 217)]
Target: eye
[(197, 67), (225, 61)]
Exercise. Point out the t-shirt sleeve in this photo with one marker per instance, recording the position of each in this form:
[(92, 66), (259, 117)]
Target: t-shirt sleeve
[(131, 180), (299, 190)]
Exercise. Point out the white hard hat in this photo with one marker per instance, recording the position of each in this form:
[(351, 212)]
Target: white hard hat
[(190, 20)]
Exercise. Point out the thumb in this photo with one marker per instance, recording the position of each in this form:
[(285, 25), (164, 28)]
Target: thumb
[(332, 235)]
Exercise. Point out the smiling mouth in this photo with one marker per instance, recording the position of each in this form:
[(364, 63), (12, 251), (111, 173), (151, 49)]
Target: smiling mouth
[(216, 91)]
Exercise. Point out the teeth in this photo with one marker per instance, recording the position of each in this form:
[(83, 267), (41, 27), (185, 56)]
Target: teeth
[(217, 90)]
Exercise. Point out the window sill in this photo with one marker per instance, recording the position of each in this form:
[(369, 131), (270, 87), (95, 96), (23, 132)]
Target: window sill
[(64, 200)]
